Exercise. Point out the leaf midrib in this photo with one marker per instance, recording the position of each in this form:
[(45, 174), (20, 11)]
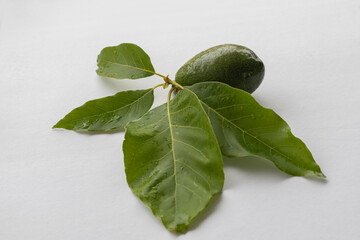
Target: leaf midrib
[(173, 153), (141, 69), (117, 109), (247, 133), (174, 157)]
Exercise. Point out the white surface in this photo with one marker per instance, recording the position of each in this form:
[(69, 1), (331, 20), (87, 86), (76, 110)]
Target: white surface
[(63, 185)]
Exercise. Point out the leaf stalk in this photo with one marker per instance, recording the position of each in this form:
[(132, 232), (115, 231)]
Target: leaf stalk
[(168, 81)]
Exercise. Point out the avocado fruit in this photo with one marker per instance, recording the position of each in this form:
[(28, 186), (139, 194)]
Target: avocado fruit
[(235, 65)]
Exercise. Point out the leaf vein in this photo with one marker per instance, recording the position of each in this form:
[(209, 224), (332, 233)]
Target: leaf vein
[(234, 105), (192, 148), (235, 119), (125, 65), (195, 172), (152, 137), (191, 127), (185, 187), (153, 160), (118, 109), (247, 133)]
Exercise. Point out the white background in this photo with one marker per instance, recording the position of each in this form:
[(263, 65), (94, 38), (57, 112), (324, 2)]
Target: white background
[(62, 185)]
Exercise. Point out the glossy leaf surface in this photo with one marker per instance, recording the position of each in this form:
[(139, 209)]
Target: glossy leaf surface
[(172, 160), (108, 113), (125, 61), (245, 128)]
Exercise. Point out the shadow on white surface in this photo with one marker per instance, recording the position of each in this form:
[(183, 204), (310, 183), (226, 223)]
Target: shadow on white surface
[(112, 84), (263, 169), (255, 166)]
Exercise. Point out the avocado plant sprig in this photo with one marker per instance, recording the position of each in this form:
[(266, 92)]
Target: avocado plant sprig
[(173, 153)]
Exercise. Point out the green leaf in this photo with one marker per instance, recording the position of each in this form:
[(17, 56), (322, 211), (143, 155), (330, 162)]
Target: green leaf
[(245, 128), (172, 160), (124, 61), (108, 113)]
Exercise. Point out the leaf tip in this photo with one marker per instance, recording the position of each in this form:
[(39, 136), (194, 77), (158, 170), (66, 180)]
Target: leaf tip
[(178, 228), (181, 228), (98, 72), (317, 173), (320, 174), (59, 124)]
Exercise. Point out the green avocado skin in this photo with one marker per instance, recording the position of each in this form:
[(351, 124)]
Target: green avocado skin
[(232, 64)]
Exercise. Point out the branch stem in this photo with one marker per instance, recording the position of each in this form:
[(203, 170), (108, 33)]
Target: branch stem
[(159, 85), (178, 86), (159, 75), (168, 81)]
